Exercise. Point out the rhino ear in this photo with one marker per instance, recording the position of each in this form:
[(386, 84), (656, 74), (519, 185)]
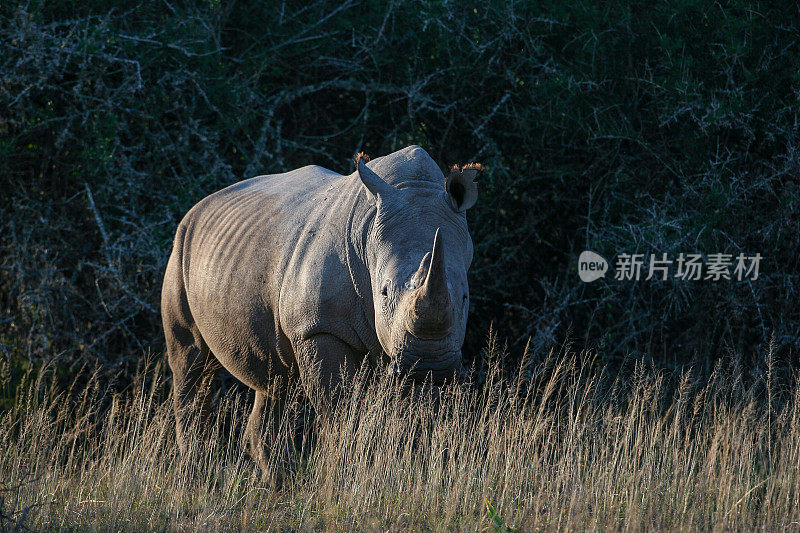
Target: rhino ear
[(461, 187), (375, 185)]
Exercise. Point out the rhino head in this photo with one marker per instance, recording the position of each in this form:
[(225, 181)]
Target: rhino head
[(418, 252)]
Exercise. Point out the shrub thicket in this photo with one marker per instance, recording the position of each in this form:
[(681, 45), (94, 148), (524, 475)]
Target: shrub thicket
[(617, 127)]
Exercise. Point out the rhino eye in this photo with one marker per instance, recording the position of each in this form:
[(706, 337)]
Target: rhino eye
[(385, 289)]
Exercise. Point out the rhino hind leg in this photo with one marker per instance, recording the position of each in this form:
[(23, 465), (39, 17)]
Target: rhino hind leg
[(193, 365), (194, 369)]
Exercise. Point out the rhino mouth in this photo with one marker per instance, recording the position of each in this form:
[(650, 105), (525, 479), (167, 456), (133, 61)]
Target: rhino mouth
[(445, 367)]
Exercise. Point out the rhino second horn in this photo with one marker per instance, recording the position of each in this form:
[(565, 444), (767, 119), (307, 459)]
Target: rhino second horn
[(430, 316), (422, 272)]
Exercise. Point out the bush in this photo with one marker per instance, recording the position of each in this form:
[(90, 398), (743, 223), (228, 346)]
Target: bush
[(612, 127)]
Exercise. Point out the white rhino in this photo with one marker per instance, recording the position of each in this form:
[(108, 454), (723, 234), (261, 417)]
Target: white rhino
[(305, 274)]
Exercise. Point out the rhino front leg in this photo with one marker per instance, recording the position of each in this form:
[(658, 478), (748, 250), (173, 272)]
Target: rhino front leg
[(325, 363), (274, 433), (262, 427)]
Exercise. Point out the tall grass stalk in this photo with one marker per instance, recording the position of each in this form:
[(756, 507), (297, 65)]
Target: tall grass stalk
[(563, 445)]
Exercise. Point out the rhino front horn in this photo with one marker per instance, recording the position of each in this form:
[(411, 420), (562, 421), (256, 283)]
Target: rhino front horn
[(430, 316)]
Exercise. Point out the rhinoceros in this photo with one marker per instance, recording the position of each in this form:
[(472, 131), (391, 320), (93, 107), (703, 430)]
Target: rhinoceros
[(309, 274)]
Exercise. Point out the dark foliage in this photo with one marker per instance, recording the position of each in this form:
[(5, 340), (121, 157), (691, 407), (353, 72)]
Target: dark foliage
[(617, 127)]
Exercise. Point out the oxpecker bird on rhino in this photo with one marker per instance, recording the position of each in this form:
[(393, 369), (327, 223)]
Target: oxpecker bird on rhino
[(304, 276)]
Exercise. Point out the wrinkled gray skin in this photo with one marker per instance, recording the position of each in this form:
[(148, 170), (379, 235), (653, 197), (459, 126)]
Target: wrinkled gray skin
[(305, 274)]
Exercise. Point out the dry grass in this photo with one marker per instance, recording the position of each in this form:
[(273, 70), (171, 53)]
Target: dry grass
[(561, 445)]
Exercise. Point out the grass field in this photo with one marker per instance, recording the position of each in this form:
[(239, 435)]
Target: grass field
[(563, 444)]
